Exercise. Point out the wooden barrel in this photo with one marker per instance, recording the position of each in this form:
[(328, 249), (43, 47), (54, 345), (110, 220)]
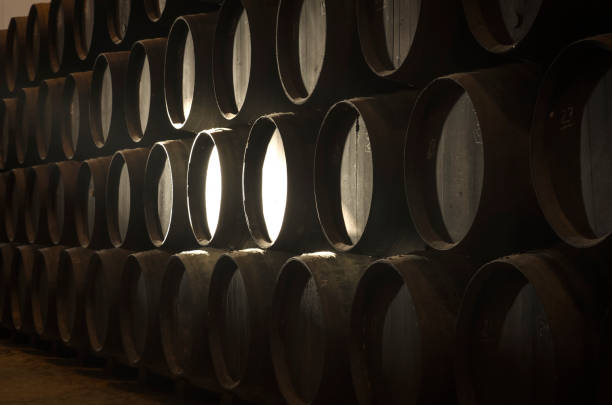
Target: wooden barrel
[(188, 71), (44, 289), (126, 22), (106, 116), (7, 254), (214, 188), (124, 199), (570, 148), (414, 41), (62, 52), (48, 137), (27, 125), (9, 128), (361, 205), (527, 329), (61, 202), (90, 204), (77, 142), (468, 132), (164, 13), (3, 61), (277, 182), (239, 302), (145, 109), (402, 329), (89, 30), (534, 29), (309, 327), (70, 294), (36, 201), (21, 289), (14, 218), (165, 195), (139, 302), (36, 52), (317, 52), (183, 316), (102, 302), (15, 53), (245, 77)]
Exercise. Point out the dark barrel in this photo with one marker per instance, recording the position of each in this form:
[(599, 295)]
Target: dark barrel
[(360, 203), (77, 142), (37, 43), (145, 109), (14, 214), (309, 327), (244, 70), (571, 151), (183, 316), (317, 52), (528, 327), (90, 204), (3, 61), (15, 53), (89, 30), (102, 309), (48, 136), (61, 202), (402, 329), (27, 125), (44, 290), (127, 22), (139, 302), (70, 294), (7, 255), (36, 201), (3, 206), (214, 189), (124, 199), (21, 289), (188, 71), (277, 182), (9, 127), (62, 52), (239, 309), (165, 195), (163, 12), (535, 29), (106, 117), (414, 41), (466, 162)]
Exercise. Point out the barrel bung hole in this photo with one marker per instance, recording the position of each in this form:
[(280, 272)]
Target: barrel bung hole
[(511, 347), (356, 179), (301, 329), (596, 157)]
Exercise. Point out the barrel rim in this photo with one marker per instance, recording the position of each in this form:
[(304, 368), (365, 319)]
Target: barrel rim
[(569, 226), (138, 58), (101, 65), (117, 163)]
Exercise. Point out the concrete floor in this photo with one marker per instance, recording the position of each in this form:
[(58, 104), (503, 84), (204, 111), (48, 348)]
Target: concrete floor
[(30, 375)]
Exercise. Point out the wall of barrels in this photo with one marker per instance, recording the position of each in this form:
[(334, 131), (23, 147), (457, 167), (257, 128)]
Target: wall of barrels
[(315, 201)]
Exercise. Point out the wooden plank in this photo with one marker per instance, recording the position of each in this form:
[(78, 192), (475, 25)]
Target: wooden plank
[(459, 168), (400, 21), (106, 102), (123, 202), (188, 77), (312, 35), (241, 59), (164, 198), (144, 94)]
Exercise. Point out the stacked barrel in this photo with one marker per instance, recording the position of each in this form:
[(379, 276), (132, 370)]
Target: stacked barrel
[(315, 201)]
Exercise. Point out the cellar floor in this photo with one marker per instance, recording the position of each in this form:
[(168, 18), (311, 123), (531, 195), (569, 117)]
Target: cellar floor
[(32, 375)]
